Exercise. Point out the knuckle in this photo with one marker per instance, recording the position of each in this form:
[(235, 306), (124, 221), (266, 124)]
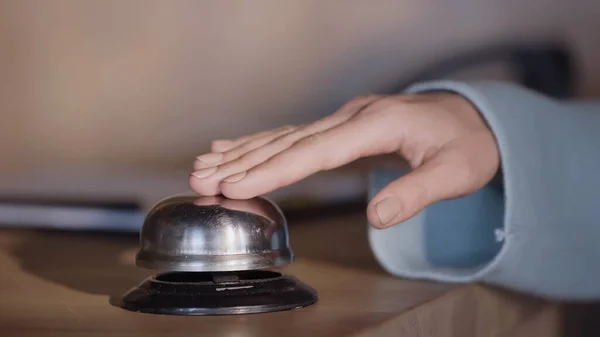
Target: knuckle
[(388, 113), (419, 194), (249, 160), (310, 139), (303, 130), (414, 195), (385, 107), (288, 128), (232, 155), (361, 99), (236, 154), (290, 138), (465, 173)]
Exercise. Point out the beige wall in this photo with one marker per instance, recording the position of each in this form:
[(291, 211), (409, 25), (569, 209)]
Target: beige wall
[(150, 83)]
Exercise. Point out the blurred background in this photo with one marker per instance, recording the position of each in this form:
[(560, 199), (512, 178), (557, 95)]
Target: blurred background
[(105, 104)]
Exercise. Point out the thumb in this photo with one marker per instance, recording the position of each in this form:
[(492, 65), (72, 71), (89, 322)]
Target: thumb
[(411, 193)]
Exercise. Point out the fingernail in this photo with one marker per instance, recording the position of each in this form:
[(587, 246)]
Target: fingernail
[(211, 158), (219, 145), (387, 210), (204, 172), (235, 177)]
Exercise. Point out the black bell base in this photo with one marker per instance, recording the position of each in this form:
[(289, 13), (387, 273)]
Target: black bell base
[(227, 293)]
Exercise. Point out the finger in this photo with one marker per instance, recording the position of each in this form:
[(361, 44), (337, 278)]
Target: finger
[(223, 145), (321, 151), (244, 148), (218, 158), (208, 181), (272, 144), (438, 179)]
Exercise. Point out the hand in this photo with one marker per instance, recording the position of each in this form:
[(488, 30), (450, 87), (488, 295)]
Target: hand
[(441, 135)]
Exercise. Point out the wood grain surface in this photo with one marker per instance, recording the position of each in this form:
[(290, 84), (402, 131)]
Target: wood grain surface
[(62, 284)]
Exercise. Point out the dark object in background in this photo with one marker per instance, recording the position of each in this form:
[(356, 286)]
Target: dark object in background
[(116, 215), (546, 67), (581, 320)]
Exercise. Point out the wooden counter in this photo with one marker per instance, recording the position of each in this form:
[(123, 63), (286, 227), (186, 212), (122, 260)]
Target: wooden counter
[(62, 284)]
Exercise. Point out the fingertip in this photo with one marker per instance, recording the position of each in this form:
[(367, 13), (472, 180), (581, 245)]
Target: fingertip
[(373, 218), (199, 165), (221, 145), (202, 187), (192, 183), (384, 212)]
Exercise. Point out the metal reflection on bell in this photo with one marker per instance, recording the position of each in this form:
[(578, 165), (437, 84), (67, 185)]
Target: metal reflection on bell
[(213, 252), (214, 234)]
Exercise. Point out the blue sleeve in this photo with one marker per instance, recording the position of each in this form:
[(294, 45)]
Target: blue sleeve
[(537, 232)]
